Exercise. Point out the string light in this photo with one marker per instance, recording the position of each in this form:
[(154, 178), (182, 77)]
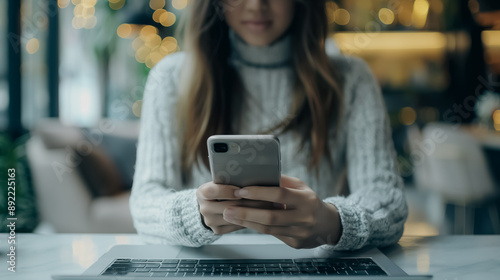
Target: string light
[(179, 4), (167, 19), (137, 108), (156, 4), (331, 7), (407, 116), (386, 16), (420, 12), (116, 4), (84, 14), (496, 119), (342, 17), (32, 45), (63, 3), (157, 14), (124, 30)]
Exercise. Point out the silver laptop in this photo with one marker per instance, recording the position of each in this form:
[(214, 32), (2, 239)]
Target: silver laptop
[(239, 261)]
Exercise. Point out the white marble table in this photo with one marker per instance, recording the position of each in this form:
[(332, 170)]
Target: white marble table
[(446, 257)]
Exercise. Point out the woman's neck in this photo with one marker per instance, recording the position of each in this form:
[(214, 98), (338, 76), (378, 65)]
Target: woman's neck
[(277, 54)]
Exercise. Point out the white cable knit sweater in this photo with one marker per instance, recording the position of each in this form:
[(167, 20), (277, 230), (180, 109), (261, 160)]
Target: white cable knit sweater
[(373, 212)]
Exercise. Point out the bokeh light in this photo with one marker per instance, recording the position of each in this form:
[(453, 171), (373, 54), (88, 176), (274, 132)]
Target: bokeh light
[(32, 45), (342, 17), (167, 19), (137, 107), (157, 14), (124, 30), (386, 16), (156, 4), (179, 4), (407, 116)]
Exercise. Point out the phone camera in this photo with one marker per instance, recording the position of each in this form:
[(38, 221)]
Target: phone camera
[(221, 147)]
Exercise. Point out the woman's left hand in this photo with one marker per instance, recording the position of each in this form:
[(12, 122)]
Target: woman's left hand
[(302, 220)]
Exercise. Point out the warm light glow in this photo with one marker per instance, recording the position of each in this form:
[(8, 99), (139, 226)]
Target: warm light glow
[(137, 43), (142, 53), (420, 12), (330, 11), (89, 3), (408, 116), (88, 12), (147, 31), (386, 16), (76, 2), (497, 126), (342, 17), (136, 108), (496, 116), (153, 41), (179, 4), (78, 10), (149, 63), (425, 44), (124, 30), (170, 44), (157, 14), (156, 4), (32, 45), (491, 38), (167, 19), (84, 14), (116, 4), (62, 3)]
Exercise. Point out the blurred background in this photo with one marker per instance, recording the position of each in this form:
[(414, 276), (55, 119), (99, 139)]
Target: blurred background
[(72, 75)]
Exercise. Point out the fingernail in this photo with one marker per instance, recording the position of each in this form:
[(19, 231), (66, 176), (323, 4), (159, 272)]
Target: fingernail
[(240, 193)]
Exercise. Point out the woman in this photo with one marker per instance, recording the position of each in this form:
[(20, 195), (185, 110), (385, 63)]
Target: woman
[(259, 66)]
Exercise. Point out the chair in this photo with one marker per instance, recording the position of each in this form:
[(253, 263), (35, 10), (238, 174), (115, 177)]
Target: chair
[(451, 163)]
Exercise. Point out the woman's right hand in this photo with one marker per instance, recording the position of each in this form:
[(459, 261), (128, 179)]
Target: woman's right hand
[(214, 198)]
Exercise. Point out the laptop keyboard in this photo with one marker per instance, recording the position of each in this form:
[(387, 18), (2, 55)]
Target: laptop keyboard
[(243, 267)]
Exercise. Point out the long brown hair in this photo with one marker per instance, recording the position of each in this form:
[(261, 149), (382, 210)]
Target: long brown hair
[(209, 83)]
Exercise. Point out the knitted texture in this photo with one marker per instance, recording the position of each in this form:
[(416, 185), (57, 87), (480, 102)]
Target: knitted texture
[(373, 212)]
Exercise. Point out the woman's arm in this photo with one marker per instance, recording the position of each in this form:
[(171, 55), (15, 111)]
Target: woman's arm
[(162, 211), (376, 210)]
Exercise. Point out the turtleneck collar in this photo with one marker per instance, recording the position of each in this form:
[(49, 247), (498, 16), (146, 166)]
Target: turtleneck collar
[(277, 54)]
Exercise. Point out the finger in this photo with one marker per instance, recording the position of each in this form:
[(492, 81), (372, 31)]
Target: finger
[(264, 216), (264, 229), (215, 221), (255, 204), (226, 229), (211, 191), (291, 197), (208, 207)]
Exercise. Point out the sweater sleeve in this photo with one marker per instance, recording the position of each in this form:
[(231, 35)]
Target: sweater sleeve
[(163, 211), (376, 210)]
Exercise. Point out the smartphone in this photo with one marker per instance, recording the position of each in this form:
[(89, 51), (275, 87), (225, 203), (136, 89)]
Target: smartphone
[(245, 160)]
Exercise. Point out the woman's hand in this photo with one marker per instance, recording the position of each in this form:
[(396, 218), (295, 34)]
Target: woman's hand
[(304, 221), (214, 198)]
